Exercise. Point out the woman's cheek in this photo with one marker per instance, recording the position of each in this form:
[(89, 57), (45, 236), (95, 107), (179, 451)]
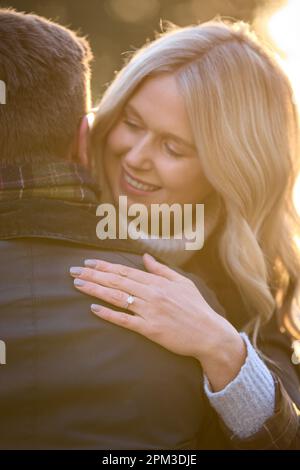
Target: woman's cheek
[(113, 142), (119, 140)]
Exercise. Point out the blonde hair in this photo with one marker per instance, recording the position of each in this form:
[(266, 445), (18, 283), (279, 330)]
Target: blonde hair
[(244, 122)]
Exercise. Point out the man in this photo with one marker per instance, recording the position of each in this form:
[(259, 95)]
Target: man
[(71, 380)]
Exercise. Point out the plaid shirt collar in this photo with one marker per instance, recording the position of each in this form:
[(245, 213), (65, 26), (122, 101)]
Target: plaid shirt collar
[(57, 179)]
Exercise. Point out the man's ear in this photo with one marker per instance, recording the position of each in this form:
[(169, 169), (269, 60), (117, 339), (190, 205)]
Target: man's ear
[(80, 145)]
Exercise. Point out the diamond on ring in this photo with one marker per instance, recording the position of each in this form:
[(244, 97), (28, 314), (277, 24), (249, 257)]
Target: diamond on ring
[(130, 300)]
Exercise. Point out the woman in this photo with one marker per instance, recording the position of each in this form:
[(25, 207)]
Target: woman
[(204, 115)]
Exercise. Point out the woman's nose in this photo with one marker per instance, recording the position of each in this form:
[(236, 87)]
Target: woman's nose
[(140, 154)]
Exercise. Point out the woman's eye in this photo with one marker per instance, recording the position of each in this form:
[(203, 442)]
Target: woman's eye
[(172, 152), (131, 125)]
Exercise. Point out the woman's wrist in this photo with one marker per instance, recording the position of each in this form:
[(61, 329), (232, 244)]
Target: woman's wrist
[(249, 399), (227, 353)]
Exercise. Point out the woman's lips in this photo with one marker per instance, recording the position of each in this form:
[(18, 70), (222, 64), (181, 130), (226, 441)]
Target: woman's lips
[(130, 185)]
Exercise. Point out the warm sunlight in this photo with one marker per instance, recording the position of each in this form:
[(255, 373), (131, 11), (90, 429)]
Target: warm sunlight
[(91, 118), (283, 28)]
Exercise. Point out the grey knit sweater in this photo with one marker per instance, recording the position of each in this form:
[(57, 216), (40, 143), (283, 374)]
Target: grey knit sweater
[(249, 400)]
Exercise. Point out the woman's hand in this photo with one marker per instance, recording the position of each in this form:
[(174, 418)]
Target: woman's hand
[(168, 309)]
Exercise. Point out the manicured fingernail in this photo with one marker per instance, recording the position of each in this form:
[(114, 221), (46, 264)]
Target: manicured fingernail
[(79, 282), (75, 271), (95, 308), (91, 263)]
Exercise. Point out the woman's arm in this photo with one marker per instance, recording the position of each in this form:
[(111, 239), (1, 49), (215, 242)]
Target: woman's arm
[(169, 309)]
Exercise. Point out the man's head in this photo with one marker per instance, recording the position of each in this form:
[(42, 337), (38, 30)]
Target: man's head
[(45, 68)]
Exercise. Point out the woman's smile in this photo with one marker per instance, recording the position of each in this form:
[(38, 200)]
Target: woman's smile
[(135, 186)]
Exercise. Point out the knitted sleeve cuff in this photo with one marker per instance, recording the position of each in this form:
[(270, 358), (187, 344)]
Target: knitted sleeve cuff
[(249, 400)]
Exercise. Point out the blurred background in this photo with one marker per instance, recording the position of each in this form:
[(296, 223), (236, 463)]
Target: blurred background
[(115, 27)]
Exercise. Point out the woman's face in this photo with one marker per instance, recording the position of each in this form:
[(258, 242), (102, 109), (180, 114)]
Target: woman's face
[(149, 154)]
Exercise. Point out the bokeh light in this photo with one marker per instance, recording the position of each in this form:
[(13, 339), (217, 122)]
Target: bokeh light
[(132, 11)]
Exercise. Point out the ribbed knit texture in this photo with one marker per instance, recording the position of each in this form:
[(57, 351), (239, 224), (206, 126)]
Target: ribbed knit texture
[(173, 251), (249, 399), (170, 251)]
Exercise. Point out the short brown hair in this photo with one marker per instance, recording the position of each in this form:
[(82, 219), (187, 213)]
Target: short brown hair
[(46, 69)]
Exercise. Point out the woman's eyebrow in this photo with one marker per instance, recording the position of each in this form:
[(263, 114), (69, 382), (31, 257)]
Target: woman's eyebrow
[(180, 140), (132, 110)]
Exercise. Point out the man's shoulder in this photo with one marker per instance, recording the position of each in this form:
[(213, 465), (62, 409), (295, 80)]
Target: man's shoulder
[(50, 251)]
